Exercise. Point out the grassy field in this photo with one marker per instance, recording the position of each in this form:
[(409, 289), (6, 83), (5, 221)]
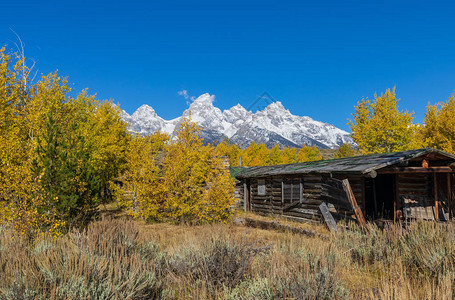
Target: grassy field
[(118, 258)]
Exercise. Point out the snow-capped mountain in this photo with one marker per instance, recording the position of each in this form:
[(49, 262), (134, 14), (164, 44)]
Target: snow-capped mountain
[(273, 125)]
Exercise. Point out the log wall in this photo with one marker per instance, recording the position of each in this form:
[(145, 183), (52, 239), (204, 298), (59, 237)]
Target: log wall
[(238, 192), (315, 190), (320, 188), (356, 186), (414, 184)]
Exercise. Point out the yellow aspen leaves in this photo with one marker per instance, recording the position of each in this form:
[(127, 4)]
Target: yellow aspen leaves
[(176, 179), (379, 127), (439, 126), (56, 152)]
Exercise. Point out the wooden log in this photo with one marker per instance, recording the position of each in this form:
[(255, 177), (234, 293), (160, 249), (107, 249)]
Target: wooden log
[(314, 211), (291, 205), (416, 170), (355, 207), (314, 217), (302, 220)]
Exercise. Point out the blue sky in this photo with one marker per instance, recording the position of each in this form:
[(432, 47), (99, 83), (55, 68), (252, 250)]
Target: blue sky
[(319, 58)]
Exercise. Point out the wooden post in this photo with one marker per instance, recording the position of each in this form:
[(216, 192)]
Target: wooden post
[(374, 199), (363, 196), (436, 204), (394, 212), (292, 187), (449, 196), (397, 203), (353, 202), (245, 197), (249, 195), (452, 180)]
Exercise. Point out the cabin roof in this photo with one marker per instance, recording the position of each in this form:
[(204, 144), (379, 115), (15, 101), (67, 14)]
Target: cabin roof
[(350, 165)]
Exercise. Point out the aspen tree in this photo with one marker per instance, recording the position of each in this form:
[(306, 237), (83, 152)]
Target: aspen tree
[(345, 150), (196, 181), (307, 153), (379, 127), (275, 156), (289, 155), (438, 130)]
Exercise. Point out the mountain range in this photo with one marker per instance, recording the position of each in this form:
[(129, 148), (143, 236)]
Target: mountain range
[(272, 125)]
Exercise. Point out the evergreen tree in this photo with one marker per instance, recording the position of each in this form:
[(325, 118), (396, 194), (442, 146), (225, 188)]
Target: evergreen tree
[(66, 174)]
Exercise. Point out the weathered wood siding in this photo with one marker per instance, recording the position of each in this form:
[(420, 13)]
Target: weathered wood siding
[(356, 186), (304, 205), (238, 193), (415, 196), (414, 184)]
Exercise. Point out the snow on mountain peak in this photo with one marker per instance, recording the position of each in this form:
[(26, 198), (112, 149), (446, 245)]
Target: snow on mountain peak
[(273, 125), (276, 106), (204, 99), (144, 111), (237, 110)]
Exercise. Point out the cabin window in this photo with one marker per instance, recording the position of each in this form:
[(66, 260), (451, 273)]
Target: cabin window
[(261, 187), (291, 190)]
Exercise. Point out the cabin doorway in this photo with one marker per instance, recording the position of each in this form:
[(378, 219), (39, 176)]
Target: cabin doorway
[(380, 196)]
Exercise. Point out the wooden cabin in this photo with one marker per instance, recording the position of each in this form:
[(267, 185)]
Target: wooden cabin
[(414, 184)]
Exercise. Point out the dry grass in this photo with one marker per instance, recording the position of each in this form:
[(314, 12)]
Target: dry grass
[(126, 259)]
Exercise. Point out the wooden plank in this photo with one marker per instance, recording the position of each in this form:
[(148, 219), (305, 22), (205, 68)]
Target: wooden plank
[(355, 207), (291, 205), (417, 207), (328, 218)]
